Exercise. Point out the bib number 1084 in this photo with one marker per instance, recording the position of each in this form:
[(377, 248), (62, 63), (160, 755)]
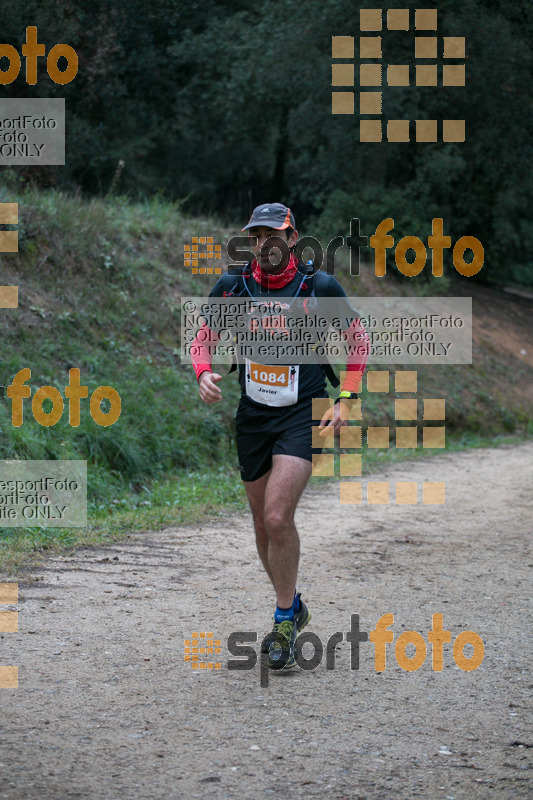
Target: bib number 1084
[(268, 377)]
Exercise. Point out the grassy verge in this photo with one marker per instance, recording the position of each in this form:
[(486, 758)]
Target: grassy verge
[(178, 499), (183, 499)]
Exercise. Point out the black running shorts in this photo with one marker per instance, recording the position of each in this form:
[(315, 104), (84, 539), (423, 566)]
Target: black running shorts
[(274, 431)]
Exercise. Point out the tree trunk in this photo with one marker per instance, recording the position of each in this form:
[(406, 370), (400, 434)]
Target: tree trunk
[(281, 154)]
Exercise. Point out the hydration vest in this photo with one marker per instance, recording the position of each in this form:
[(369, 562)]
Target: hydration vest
[(306, 289)]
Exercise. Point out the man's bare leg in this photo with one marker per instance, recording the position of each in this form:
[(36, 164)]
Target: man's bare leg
[(287, 481), (273, 499), (256, 497)]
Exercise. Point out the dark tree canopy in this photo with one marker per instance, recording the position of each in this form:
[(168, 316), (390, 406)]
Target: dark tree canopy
[(228, 104)]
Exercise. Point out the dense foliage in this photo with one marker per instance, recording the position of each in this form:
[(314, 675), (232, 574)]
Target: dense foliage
[(229, 103)]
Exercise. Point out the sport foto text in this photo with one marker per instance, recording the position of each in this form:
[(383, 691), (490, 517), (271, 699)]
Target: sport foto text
[(17, 391), (32, 50), (380, 637), (380, 242)]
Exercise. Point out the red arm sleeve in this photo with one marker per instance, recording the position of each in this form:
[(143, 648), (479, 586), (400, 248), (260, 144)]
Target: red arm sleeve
[(201, 350), (359, 341)]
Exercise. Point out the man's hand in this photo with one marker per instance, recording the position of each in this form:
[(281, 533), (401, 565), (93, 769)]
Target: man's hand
[(337, 416), (207, 384)]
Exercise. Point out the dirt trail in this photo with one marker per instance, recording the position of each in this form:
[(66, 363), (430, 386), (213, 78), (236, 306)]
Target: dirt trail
[(108, 708)]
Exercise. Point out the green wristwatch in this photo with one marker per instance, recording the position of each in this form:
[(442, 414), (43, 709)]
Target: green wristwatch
[(346, 396)]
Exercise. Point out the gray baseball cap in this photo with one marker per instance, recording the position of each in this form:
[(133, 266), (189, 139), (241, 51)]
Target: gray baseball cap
[(271, 215)]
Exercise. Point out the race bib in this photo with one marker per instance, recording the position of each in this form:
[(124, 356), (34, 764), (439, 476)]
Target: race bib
[(272, 386)]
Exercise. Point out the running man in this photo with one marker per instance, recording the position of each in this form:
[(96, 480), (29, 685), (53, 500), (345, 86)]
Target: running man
[(273, 423)]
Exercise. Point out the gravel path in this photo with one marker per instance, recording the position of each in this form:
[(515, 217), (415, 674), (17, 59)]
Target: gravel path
[(107, 708)]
